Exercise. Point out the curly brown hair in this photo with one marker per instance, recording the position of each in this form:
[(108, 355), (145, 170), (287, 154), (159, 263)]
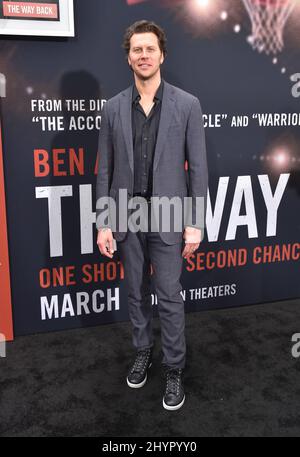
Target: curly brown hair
[(145, 26)]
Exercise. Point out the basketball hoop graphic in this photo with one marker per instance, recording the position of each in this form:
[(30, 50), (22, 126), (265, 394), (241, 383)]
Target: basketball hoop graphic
[(268, 18)]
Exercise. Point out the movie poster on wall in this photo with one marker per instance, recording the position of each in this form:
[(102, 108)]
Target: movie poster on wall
[(37, 18), (51, 122)]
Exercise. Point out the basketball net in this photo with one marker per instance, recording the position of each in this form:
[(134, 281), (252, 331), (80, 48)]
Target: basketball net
[(268, 19)]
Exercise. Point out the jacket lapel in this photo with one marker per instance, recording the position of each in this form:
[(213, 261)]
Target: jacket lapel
[(166, 115), (125, 114)]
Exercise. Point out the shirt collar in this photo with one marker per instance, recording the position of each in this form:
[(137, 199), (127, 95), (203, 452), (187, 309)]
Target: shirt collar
[(158, 95)]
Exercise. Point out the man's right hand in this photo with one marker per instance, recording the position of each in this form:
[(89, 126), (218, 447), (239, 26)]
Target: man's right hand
[(105, 242)]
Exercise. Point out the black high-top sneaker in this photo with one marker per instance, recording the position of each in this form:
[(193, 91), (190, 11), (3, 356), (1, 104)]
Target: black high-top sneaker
[(137, 375), (174, 396)]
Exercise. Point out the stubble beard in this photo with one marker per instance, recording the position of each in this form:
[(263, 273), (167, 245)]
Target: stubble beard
[(145, 77)]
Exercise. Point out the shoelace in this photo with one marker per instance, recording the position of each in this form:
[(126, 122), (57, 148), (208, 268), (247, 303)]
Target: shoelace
[(141, 360), (173, 381)]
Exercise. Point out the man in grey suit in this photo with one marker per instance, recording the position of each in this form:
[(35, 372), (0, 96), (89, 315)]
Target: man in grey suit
[(149, 132)]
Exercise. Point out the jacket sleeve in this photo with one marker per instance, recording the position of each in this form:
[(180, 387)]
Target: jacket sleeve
[(105, 169), (195, 151)]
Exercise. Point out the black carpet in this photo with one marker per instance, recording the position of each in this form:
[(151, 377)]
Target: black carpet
[(240, 380)]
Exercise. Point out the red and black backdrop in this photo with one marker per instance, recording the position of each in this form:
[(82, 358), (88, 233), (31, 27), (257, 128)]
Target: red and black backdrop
[(51, 118)]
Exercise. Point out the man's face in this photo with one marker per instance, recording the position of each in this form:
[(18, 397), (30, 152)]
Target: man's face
[(145, 56)]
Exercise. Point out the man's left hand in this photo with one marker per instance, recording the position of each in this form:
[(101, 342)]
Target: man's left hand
[(192, 237)]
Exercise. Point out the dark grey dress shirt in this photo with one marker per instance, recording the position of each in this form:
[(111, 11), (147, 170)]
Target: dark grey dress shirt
[(144, 135)]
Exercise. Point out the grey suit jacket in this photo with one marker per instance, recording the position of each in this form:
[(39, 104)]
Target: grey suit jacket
[(180, 137)]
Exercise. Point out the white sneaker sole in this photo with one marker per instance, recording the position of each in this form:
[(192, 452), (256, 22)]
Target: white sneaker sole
[(173, 408), (141, 384)]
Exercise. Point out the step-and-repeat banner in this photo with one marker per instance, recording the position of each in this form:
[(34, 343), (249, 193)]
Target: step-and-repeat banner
[(241, 59)]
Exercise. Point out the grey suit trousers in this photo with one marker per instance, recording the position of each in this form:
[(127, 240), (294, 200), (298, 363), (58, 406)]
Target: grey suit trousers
[(136, 252)]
